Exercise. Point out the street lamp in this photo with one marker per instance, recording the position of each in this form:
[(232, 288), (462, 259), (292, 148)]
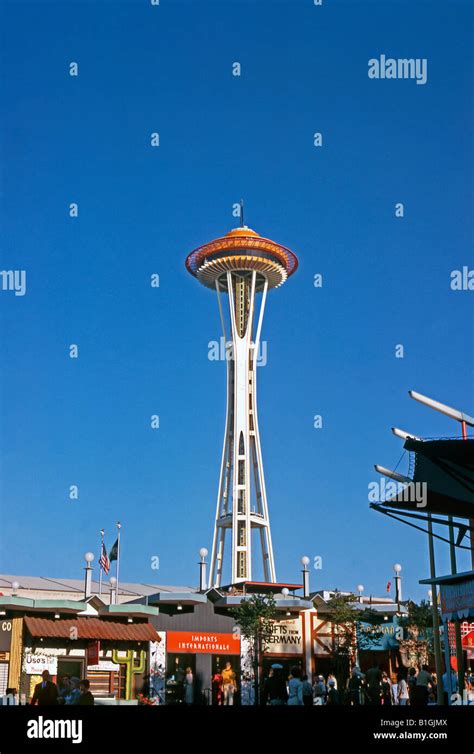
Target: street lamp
[(88, 557), (360, 589), (113, 593), (285, 592), (202, 569), (398, 584), (15, 588), (305, 563)]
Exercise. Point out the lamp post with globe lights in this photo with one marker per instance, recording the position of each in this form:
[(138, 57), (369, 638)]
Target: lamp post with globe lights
[(285, 592), (88, 557), (202, 569), (360, 589), (305, 563), (398, 584), (113, 592)]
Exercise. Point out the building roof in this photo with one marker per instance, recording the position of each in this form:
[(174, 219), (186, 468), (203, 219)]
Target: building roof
[(48, 584), (452, 578), (90, 628)]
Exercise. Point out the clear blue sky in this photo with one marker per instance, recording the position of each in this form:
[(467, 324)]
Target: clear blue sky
[(143, 351)]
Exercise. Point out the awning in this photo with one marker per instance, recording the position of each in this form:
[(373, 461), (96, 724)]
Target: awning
[(90, 628), (456, 595), (446, 468)]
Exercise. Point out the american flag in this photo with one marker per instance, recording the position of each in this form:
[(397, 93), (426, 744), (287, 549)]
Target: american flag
[(104, 561)]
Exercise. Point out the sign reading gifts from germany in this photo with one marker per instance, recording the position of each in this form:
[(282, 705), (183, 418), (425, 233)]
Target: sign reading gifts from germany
[(287, 638), (194, 642)]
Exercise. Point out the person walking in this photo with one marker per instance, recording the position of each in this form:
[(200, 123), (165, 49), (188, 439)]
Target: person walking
[(85, 698), (64, 689), (333, 694), (374, 679), (411, 683), (423, 682), (354, 685), (386, 690), (307, 692), (402, 690), (229, 684), (74, 692), (433, 695), (217, 690), (46, 692), (454, 685), (295, 688), (319, 691), (274, 690), (189, 687)]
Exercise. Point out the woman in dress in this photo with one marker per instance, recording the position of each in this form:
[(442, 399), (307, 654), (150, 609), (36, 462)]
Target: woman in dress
[(189, 687), (402, 691)]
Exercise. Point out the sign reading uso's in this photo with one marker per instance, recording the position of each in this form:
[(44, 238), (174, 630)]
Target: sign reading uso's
[(208, 643)]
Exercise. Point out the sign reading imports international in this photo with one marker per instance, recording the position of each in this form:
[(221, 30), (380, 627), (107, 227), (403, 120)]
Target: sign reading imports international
[(198, 643)]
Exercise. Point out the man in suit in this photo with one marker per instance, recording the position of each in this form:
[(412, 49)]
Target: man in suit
[(46, 693)]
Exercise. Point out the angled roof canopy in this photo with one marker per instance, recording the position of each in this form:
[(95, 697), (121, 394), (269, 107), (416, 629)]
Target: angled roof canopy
[(446, 467)]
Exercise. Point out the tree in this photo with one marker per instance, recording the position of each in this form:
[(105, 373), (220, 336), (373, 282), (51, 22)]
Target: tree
[(348, 636), (417, 643), (255, 617)]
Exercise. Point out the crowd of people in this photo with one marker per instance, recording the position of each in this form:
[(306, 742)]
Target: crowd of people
[(417, 687), (297, 689), (71, 691)]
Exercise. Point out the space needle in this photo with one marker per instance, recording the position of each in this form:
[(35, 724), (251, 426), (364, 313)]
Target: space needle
[(241, 267)]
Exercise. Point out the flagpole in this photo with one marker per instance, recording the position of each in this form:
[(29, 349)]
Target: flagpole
[(119, 526), (102, 532)]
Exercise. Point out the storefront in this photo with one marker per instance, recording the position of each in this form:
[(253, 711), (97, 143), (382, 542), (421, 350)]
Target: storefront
[(193, 635), (111, 654), (285, 646), (5, 646), (191, 651), (108, 645), (457, 606)]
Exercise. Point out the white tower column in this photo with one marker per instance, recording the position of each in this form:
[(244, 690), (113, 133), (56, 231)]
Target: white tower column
[(241, 501), (243, 266)]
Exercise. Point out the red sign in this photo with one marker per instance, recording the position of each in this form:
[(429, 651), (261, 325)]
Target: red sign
[(468, 640), (92, 653), (197, 642)]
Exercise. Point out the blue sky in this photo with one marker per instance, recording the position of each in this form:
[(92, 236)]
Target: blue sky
[(144, 351)]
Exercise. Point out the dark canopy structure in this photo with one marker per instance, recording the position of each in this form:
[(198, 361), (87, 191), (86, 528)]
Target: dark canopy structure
[(445, 468)]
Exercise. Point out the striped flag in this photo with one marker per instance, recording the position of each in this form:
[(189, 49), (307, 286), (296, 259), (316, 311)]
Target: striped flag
[(104, 561)]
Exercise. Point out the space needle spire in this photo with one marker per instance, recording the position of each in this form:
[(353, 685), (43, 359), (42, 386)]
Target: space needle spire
[(241, 267)]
